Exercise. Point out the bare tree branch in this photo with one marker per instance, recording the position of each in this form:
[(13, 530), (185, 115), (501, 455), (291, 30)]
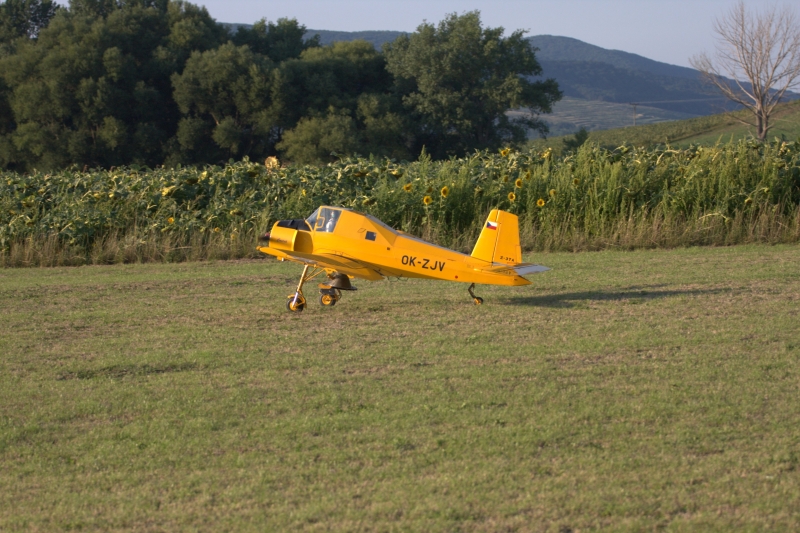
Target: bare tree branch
[(757, 60)]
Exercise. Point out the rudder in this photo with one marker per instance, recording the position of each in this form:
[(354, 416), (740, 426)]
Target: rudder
[(499, 239)]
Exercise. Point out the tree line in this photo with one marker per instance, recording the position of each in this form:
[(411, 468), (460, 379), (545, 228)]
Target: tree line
[(103, 83)]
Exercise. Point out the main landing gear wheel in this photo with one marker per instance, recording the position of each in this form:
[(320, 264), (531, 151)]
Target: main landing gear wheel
[(329, 293), (295, 305), (327, 300), (477, 299)]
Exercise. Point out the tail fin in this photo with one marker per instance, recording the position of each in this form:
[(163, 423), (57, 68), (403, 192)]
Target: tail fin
[(499, 239)]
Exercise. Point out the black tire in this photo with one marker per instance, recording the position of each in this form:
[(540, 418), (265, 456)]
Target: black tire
[(327, 300), (298, 308)]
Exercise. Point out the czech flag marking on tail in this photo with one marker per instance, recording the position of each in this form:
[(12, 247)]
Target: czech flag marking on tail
[(491, 225)]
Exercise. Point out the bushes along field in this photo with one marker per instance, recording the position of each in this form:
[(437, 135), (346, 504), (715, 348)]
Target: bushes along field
[(740, 192)]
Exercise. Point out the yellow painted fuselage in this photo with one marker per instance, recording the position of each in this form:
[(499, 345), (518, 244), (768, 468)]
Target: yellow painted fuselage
[(362, 246)]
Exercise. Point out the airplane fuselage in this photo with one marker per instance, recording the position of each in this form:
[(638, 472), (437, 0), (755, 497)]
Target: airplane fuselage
[(362, 246)]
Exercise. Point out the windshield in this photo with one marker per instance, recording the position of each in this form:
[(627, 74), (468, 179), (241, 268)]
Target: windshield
[(324, 219), (312, 220)]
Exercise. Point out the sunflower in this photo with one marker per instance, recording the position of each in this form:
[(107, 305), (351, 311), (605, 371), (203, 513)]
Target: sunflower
[(540, 202), (748, 201), (427, 200), (552, 193), (528, 175), (407, 187), (576, 181), (217, 230), (518, 183), (505, 151), (445, 191), (429, 190), (272, 163), (170, 220), (512, 197)]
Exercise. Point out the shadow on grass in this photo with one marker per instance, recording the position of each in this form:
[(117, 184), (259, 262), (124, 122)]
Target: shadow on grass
[(636, 294)]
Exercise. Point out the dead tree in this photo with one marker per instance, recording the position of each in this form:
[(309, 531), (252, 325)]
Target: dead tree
[(757, 60)]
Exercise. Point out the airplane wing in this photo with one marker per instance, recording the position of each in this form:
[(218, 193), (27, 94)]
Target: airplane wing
[(337, 262)]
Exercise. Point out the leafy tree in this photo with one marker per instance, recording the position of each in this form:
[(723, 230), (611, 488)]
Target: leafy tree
[(345, 87), (8, 153), (578, 140), (96, 90), (24, 18), (372, 129), (278, 41), (224, 95), (320, 138), (327, 77), (103, 8), (459, 80)]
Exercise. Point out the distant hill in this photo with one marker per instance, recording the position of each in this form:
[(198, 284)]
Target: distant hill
[(377, 38), (556, 48), (592, 73), (707, 130), (571, 114)]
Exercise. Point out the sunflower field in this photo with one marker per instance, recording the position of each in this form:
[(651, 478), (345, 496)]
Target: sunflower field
[(593, 199)]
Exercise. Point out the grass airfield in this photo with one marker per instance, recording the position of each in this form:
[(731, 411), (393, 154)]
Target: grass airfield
[(624, 391)]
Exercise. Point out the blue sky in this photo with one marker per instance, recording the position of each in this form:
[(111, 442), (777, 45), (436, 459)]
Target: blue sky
[(664, 30)]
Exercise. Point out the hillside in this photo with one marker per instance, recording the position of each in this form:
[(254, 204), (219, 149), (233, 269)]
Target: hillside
[(707, 130), (377, 38), (571, 114), (557, 48)]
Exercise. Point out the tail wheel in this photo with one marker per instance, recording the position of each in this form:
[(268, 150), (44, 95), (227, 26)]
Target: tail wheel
[(328, 300), (295, 305), (477, 299)]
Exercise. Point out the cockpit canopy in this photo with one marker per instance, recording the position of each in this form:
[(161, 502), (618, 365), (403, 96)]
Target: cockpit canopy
[(325, 219)]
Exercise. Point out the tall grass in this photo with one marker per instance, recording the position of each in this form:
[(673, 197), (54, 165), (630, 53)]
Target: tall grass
[(624, 198)]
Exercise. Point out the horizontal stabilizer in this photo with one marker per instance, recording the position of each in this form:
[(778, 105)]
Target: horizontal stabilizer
[(523, 270)]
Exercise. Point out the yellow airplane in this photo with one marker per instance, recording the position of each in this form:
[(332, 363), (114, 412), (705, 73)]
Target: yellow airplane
[(347, 244)]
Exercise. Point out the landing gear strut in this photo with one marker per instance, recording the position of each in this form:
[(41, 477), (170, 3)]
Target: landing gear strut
[(329, 293), (477, 299), (297, 302)]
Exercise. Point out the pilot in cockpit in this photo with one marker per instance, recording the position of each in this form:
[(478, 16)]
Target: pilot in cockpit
[(332, 219)]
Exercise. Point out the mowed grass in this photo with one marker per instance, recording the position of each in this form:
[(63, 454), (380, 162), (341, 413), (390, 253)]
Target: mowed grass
[(623, 391)]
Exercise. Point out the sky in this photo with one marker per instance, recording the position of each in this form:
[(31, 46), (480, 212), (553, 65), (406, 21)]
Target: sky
[(671, 31)]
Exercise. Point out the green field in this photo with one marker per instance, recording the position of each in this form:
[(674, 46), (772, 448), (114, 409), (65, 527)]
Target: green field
[(570, 114), (707, 131), (623, 390)]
